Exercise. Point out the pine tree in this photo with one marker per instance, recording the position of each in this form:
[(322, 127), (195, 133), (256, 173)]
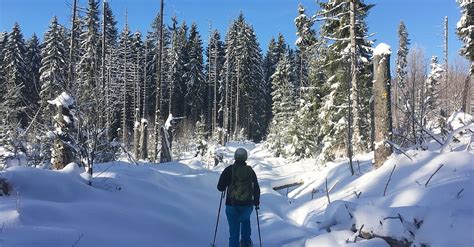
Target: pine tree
[(305, 42), (33, 62), (15, 77), (53, 69), (401, 90), (3, 43), (215, 63), (245, 82), (276, 51), (111, 39), (195, 83), (201, 136), (283, 107), (125, 80), (89, 63), (335, 27), (431, 94), (465, 30), (13, 105)]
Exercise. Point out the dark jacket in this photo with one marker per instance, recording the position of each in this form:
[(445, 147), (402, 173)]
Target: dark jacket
[(226, 179)]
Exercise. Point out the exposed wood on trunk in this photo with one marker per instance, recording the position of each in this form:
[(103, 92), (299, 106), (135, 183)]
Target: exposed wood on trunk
[(382, 108)]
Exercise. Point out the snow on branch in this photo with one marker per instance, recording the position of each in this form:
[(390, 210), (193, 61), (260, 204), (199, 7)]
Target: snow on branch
[(63, 100)]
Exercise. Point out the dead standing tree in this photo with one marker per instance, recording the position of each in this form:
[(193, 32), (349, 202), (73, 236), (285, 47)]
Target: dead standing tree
[(382, 105), (62, 153)]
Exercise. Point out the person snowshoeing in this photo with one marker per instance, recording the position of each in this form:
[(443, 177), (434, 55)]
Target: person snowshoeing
[(243, 192)]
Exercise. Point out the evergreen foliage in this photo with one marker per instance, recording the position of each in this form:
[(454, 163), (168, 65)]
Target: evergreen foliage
[(283, 108)]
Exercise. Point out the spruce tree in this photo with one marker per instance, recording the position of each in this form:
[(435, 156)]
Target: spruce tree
[(276, 51), (89, 62), (12, 114), (245, 83), (335, 116), (124, 72), (15, 77), (3, 43), (305, 42), (283, 107), (53, 71), (33, 62), (465, 30), (214, 68), (401, 89), (431, 94), (195, 83)]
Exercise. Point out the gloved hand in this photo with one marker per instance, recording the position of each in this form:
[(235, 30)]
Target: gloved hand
[(257, 204)]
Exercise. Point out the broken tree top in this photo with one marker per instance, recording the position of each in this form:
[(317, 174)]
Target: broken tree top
[(62, 100), (382, 49)]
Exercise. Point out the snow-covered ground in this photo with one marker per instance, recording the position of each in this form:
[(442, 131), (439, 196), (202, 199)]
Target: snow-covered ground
[(176, 204)]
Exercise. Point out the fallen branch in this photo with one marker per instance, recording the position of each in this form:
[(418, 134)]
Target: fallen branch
[(459, 193), (389, 178), (348, 211), (390, 241), (334, 185), (129, 156), (444, 147), (359, 231), (327, 191), (426, 184), (285, 186), (357, 194), (398, 148), (312, 193), (77, 241)]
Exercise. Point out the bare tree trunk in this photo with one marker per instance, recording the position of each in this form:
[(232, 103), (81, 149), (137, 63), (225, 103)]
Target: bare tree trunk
[(465, 96), (382, 107), (125, 78), (226, 107), (62, 153), (356, 139), (136, 136), (214, 109), (144, 122), (237, 107), (71, 46), (136, 126), (446, 67), (159, 85), (104, 48)]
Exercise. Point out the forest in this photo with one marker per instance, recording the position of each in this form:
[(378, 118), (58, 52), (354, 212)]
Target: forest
[(313, 100)]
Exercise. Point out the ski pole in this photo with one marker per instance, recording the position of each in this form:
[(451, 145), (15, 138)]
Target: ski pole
[(258, 225), (218, 214)]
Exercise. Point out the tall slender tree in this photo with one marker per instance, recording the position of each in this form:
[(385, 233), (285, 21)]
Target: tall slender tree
[(195, 84), (15, 76), (400, 89), (53, 71), (33, 64)]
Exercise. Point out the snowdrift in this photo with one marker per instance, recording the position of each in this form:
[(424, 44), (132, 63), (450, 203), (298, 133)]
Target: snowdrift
[(175, 204)]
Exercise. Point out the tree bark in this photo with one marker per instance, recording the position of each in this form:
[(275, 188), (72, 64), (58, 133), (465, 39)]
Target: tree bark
[(159, 90), (382, 107)]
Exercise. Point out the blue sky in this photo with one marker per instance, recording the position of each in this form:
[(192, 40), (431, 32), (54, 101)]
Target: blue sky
[(424, 18)]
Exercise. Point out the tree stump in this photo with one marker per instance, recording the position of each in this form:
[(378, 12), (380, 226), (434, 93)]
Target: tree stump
[(382, 104)]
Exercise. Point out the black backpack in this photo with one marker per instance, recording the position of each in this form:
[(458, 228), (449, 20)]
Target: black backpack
[(241, 185)]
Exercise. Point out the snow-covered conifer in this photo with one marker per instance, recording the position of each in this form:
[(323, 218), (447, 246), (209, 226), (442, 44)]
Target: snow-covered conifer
[(283, 108)]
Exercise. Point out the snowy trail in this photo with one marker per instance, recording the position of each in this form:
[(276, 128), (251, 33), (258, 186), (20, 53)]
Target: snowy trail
[(175, 204)]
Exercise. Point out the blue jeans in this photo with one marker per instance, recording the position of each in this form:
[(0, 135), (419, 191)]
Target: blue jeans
[(239, 224)]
